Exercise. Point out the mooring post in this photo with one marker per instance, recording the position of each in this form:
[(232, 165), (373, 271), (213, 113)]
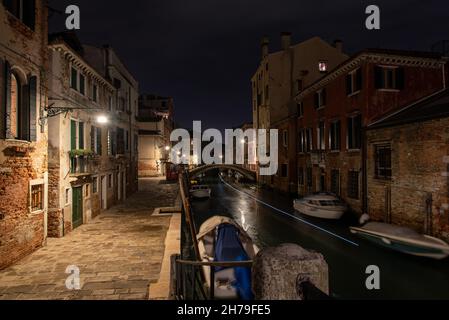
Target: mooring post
[(276, 272)]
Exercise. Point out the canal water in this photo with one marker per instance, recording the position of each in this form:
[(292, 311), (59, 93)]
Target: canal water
[(273, 221)]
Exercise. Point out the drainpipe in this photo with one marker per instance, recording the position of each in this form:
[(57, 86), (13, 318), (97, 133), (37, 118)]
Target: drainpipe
[(364, 171)]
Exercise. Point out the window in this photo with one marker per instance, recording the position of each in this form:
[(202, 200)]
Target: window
[(37, 197), (67, 196), (354, 82), (19, 105), (94, 93), (15, 107), (322, 66), (87, 191), (355, 132), (259, 99), (383, 162), (121, 104), (284, 170), (112, 143), (335, 182), (335, 136), (309, 140), (24, 10), (74, 79), (300, 176), (300, 108), (110, 105), (95, 185), (120, 141), (285, 138), (390, 78), (82, 84), (110, 181), (353, 184), (77, 135), (320, 98), (95, 143), (320, 136), (302, 141)]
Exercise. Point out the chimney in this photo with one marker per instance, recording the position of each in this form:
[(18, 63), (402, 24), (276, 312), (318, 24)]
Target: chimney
[(286, 40), (265, 49), (338, 44)]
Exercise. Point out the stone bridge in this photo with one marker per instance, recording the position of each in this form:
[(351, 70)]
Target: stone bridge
[(245, 172)]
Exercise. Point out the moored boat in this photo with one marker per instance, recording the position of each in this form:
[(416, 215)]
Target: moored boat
[(403, 239), (221, 239), (321, 205), (200, 191)]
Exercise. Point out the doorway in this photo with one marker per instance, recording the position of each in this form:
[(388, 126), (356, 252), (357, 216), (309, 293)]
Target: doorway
[(103, 193), (77, 207)]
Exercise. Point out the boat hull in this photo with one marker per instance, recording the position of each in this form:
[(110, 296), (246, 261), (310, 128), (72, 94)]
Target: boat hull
[(333, 214), (200, 194), (402, 245)]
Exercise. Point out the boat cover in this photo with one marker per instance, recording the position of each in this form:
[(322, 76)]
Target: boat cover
[(214, 222), (229, 248)]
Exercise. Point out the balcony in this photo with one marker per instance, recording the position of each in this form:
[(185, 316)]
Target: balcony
[(82, 163)]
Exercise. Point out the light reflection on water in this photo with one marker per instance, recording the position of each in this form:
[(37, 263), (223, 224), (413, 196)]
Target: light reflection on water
[(402, 276)]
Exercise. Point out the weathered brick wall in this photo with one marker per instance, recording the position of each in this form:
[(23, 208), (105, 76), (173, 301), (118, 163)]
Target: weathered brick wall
[(21, 232), (419, 163)]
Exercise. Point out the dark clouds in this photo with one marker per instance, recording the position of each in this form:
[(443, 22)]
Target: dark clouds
[(203, 52)]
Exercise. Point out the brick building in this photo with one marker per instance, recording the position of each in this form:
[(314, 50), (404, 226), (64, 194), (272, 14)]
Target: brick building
[(23, 137), (334, 112), (408, 165), (280, 76)]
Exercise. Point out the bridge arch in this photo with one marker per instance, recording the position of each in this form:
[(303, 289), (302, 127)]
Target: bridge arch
[(245, 172)]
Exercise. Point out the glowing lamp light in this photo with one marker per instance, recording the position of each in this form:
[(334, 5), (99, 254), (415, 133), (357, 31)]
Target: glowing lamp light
[(102, 120), (167, 148)]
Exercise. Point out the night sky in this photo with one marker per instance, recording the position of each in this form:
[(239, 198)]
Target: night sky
[(204, 52)]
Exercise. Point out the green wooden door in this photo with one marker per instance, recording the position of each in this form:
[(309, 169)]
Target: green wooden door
[(77, 209)]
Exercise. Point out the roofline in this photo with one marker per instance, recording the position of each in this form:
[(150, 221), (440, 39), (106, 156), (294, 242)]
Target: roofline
[(414, 58), (61, 45)]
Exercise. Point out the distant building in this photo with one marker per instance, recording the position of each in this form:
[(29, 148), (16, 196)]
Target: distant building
[(155, 122), (279, 78), (408, 167), (334, 112), (91, 152), (23, 129)]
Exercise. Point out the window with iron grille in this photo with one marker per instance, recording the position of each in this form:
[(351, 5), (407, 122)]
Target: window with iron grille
[(335, 181), (383, 162), (37, 197), (353, 184)]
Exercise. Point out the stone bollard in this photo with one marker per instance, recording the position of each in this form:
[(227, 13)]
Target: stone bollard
[(276, 271)]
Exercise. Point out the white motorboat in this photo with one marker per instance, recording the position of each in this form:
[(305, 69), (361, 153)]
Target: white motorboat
[(200, 192), (403, 239), (221, 239), (321, 205)]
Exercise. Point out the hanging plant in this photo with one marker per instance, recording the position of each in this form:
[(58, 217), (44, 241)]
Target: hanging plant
[(80, 153)]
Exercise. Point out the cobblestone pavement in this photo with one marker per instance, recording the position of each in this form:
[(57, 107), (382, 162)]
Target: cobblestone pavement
[(119, 254)]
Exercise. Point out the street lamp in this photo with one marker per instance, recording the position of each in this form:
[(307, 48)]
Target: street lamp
[(102, 119), (167, 148)]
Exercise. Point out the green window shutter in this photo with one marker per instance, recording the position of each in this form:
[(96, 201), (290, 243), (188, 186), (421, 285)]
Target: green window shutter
[(81, 135), (93, 131), (2, 100), (24, 114), (73, 135), (33, 109), (99, 144)]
